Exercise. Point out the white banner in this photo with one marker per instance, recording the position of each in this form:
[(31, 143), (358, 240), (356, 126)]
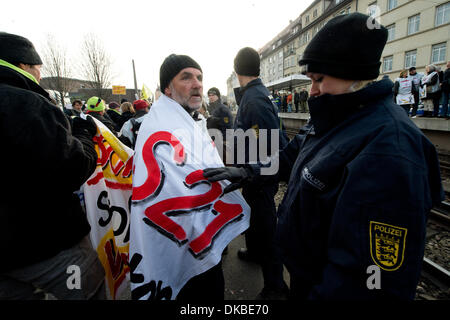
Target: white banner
[(180, 222), (108, 198)]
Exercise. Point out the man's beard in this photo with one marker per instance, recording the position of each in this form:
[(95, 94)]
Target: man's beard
[(184, 102)]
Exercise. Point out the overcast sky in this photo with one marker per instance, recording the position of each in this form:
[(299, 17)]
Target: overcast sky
[(211, 32)]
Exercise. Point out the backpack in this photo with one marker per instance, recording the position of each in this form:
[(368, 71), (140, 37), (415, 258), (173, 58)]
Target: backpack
[(135, 125)]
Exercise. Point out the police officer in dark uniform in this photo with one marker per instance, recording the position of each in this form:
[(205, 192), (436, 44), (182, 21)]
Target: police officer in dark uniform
[(362, 176), (258, 112)]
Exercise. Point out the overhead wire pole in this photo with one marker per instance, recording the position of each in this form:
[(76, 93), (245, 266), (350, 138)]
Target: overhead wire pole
[(135, 82)]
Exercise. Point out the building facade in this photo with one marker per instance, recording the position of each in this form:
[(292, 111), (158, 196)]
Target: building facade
[(419, 35)]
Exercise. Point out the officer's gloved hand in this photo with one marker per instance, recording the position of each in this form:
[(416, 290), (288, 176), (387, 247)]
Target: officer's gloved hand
[(81, 127), (237, 176)]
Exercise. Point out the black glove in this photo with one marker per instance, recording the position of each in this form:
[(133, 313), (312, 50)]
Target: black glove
[(83, 127), (237, 176)]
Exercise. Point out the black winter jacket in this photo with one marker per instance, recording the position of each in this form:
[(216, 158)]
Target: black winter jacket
[(220, 117), (257, 111), (363, 178), (43, 164)]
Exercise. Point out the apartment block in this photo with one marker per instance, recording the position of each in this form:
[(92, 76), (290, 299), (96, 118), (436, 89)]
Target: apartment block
[(419, 35)]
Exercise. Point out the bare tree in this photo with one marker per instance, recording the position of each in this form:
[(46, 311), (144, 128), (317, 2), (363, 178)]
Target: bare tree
[(57, 68), (96, 64)]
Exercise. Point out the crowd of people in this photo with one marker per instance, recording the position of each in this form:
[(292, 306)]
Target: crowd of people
[(361, 176), (287, 101), (431, 88)]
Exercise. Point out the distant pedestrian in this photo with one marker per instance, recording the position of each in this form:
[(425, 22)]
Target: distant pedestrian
[(431, 101), (404, 91), (445, 87), (289, 102), (304, 100), (95, 107), (284, 102), (77, 105), (296, 100), (415, 77), (130, 129), (114, 114), (221, 119)]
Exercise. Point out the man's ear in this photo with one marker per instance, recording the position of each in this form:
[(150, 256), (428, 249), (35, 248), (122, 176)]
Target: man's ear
[(167, 92)]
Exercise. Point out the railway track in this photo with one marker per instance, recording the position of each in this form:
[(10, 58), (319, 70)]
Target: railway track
[(435, 262), (441, 214)]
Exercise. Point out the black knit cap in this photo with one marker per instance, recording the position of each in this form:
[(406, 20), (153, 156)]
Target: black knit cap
[(347, 47), (215, 91), (172, 65), (16, 49), (247, 62)]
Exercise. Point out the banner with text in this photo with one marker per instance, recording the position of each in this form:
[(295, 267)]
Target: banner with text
[(107, 196), (180, 222)]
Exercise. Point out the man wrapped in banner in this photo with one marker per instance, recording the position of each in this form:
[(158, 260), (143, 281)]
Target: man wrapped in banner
[(108, 197), (180, 222)]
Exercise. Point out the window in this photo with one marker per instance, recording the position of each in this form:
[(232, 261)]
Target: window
[(413, 24), (307, 19), (315, 30), (387, 63), (442, 14), (391, 4), (410, 59), (372, 9), (391, 32), (280, 54), (438, 53), (315, 13)]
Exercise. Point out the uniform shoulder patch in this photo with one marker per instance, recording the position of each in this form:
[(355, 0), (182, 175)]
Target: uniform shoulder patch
[(387, 245)]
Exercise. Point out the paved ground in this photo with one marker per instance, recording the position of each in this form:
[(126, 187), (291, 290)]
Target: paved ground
[(243, 280)]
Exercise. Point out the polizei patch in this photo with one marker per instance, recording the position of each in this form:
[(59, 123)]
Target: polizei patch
[(306, 174), (387, 245)]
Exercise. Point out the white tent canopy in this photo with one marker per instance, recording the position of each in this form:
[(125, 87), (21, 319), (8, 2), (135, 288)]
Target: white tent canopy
[(289, 82)]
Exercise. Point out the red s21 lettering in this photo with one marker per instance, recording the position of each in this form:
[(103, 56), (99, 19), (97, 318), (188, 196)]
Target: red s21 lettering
[(158, 215)]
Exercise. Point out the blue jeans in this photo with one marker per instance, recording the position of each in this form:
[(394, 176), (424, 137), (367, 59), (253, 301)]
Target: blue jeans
[(54, 276), (445, 99)]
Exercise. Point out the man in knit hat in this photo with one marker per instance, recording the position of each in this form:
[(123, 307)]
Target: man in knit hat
[(362, 177), (181, 81), (221, 119), (45, 234), (114, 114), (257, 111)]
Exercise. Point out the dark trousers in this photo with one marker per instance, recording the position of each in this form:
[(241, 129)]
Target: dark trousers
[(415, 105), (406, 107), (259, 237), (208, 286), (436, 101), (296, 106)]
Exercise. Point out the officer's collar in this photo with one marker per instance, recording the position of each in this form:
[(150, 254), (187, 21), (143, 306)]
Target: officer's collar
[(327, 110), (239, 91)]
